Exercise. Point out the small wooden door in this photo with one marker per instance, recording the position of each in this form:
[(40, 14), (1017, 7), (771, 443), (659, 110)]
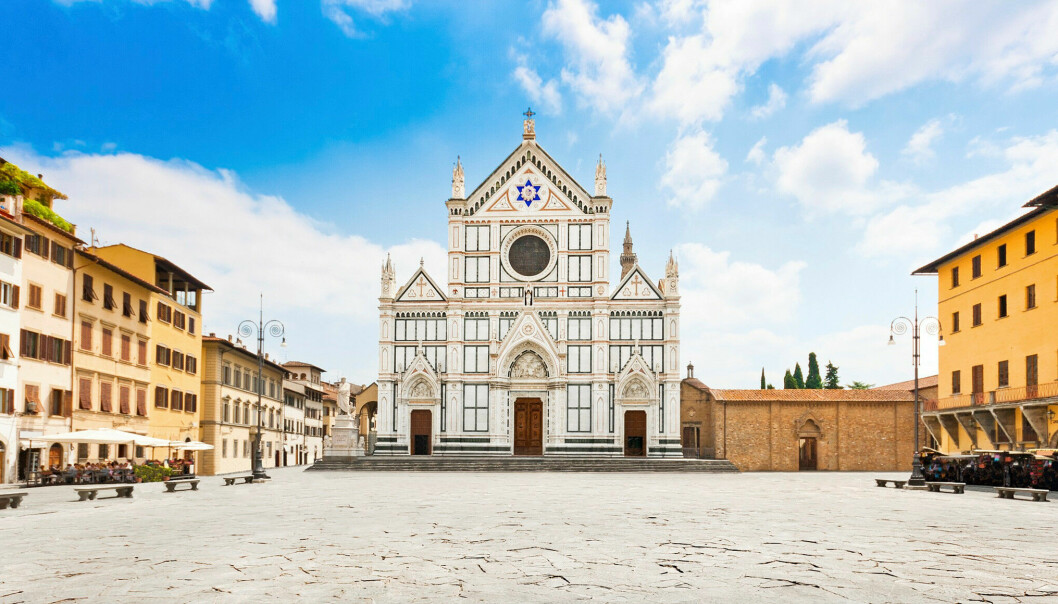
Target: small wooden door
[(55, 456), (528, 426), (807, 453), (421, 426), (635, 433), (977, 378), (690, 442)]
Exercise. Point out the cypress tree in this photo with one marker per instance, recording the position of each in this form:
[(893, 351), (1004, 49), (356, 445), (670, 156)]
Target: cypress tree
[(763, 382), (798, 376), (813, 382), (830, 382), (788, 381)]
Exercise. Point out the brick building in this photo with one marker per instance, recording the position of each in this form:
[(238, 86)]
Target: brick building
[(790, 430)]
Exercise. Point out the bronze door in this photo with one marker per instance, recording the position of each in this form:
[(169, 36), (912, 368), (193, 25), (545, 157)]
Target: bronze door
[(421, 426), (635, 433), (807, 453), (977, 378), (528, 426)]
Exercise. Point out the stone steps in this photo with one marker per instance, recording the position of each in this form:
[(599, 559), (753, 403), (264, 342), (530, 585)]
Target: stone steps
[(408, 463)]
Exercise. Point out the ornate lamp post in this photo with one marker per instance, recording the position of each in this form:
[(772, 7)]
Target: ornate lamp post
[(899, 326), (246, 329)]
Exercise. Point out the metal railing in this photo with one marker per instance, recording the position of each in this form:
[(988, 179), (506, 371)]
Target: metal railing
[(1001, 396)]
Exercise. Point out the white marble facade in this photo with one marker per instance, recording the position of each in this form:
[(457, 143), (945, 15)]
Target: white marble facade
[(528, 347)]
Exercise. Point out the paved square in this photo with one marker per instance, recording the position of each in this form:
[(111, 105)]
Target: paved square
[(399, 537)]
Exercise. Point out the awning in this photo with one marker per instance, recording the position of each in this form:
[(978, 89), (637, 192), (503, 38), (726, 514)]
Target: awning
[(192, 446), (108, 436)]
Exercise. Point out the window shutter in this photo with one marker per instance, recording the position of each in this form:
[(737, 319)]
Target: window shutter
[(68, 354), (18, 247), (24, 343), (14, 296), (45, 246), (67, 403)]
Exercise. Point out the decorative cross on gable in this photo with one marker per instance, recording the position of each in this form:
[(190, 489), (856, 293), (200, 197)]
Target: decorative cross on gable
[(636, 281)]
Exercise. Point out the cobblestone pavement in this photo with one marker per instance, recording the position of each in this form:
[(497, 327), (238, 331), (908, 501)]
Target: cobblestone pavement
[(403, 537)]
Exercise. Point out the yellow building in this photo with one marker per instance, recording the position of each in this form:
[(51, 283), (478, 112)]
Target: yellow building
[(112, 374), (229, 407), (174, 309), (998, 305)]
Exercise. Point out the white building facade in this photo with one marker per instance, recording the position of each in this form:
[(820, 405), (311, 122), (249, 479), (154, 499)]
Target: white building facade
[(530, 349), (11, 405)]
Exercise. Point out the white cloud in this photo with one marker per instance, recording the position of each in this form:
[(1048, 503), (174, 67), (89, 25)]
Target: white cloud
[(926, 228), (265, 9), (919, 147), (691, 85), (339, 11), (598, 68), (829, 171), (776, 101), (757, 155), (539, 91), (693, 170), (321, 283)]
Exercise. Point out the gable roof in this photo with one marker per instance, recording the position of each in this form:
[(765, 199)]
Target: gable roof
[(425, 297), (532, 153), (636, 270), (695, 383), (929, 381)]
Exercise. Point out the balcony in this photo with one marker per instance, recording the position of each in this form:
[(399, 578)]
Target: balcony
[(1003, 396)]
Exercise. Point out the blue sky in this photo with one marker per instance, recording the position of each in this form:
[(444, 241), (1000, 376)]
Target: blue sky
[(800, 159)]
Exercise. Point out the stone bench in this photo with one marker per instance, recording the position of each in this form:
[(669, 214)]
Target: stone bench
[(956, 487), (896, 483), (90, 493), (230, 480), (1008, 493), (12, 499), (170, 485)]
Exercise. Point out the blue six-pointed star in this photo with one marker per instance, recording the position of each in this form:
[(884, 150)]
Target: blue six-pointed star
[(528, 192)]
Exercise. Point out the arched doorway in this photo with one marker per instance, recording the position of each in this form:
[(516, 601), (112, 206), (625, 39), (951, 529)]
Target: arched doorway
[(807, 446), (55, 456)]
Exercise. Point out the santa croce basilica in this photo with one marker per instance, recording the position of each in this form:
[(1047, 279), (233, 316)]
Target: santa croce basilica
[(528, 347)]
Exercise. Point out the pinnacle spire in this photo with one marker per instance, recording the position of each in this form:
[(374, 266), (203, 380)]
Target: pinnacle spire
[(628, 257)]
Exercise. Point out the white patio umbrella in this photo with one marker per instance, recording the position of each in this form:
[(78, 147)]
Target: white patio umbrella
[(107, 436)]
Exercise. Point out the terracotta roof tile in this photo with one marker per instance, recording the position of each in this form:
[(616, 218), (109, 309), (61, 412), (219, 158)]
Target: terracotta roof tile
[(696, 383), (791, 396), (929, 381)]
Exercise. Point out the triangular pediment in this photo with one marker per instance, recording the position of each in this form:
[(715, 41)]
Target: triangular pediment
[(420, 380), (636, 380), (420, 288), (528, 334), (529, 181), (636, 285)]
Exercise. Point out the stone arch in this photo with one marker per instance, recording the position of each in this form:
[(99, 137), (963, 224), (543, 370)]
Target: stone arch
[(1054, 441), (549, 360), (808, 427), (420, 388), (528, 365), (636, 388)]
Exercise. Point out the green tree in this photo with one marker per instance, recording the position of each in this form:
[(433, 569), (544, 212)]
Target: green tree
[(798, 376), (830, 382), (770, 387), (763, 382), (860, 386), (788, 381), (814, 382)]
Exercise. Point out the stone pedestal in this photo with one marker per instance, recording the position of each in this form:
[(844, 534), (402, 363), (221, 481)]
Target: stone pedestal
[(345, 440)]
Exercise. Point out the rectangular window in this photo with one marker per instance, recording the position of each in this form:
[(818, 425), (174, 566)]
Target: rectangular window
[(611, 411), (126, 347), (88, 293), (86, 335), (1004, 374), (105, 392), (104, 452), (580, 237), (578, 359), (8, 294), (178, 319), (223, 447), (191, 325), (1030, 296), (653, 355), (178, 361), (578, 328), (226, 373), (108, 342), (435, 356), (477, 269), (476, 329), (163, 356), (108, 297), (977, 314), (176, 400), (124, 400), (635, 328), (478, 238), (475, 407), (60, 305), (84, 393), (578, 408), (126, 305), (161, 397), (7, 245), (976, 267), (1030, 243), (35, 297), (141, 352), (60, 255), (191, 366), (143, 312), (58, 402), (955, 322), (1001, 256), (82, 451), (579, 269), (955, 276), (165, 313), (506, 322), (1032, 373), (30, 347), (1002, 306), (416, 330), (141, 402), (476, 359)]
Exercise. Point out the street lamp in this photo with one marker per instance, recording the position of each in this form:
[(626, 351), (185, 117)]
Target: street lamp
[(899, 326), (246, 329)]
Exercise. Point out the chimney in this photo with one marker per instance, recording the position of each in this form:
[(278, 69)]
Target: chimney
[(212, 334), (266, 356), (690, 370), (229, 337)]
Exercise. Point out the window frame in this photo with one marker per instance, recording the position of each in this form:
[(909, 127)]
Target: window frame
[(581, 410)]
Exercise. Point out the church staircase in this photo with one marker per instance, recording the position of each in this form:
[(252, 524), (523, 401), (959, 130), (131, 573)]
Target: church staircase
[(425, 463)]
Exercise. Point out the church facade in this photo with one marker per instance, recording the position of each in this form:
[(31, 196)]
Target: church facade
[(526, 346)]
